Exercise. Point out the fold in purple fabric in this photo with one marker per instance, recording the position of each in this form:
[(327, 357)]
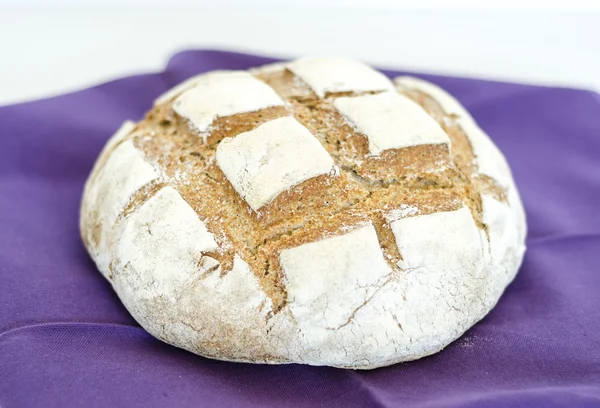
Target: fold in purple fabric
[(66, 340)]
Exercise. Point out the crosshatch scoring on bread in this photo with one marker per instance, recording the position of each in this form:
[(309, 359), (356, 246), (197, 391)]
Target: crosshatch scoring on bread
[(321, 185)]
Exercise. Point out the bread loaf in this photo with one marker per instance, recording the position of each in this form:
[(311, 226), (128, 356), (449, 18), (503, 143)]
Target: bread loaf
[(310, 212)]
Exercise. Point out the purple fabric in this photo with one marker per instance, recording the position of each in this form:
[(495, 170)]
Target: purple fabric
[(66, 340)]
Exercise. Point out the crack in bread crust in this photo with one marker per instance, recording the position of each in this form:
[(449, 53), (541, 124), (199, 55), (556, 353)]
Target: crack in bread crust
[(429, 178)]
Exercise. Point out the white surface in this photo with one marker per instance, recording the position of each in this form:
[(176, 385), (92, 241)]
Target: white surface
[(46, 51), (364, 4), (264, 162), (326, 281), (125, 171), (390, 121), (164, 239), (108, 192), (506, 243), (224, 94), (447, 241), (334, 74)]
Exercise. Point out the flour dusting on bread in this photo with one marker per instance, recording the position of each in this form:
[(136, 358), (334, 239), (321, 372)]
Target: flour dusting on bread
[(309, 212)]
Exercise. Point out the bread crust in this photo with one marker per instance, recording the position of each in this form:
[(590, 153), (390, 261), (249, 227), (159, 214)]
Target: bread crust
[(388, 257)]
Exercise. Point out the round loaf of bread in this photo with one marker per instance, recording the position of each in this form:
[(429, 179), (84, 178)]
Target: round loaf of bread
[(311, 212)]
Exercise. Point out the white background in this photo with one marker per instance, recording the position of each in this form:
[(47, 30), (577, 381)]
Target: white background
[(49, 47)]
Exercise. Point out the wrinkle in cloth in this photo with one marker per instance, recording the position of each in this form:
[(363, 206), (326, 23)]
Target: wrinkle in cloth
[(67, 341)]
